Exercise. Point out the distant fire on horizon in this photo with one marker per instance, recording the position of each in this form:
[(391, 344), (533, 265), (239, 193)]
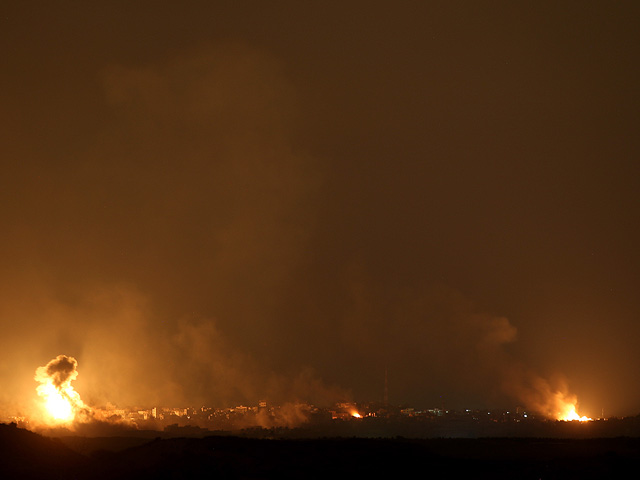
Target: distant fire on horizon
[(570, 415), (566, 406), (60, 404)]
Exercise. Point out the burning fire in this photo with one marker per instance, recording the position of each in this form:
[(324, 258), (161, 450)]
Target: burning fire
[(56, 402), (356, 415), (569, 414), (61, 402)]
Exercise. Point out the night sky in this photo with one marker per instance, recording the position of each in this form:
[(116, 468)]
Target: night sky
[(224, 202)]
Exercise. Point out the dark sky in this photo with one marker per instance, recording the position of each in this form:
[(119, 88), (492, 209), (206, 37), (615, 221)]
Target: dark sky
[(222, 202)]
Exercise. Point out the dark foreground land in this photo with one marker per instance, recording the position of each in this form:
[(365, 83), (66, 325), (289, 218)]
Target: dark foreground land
[(24, 454)]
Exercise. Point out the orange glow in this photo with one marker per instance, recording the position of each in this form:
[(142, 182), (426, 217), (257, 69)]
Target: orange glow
[(56, 403), (355, 414), (569, 414)]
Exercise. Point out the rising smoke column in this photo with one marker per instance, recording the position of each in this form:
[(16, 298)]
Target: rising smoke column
[(61, 402), (463, 351)]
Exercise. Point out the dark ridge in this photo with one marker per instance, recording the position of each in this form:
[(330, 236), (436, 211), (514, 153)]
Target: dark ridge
[(28, 455), (503, 458)]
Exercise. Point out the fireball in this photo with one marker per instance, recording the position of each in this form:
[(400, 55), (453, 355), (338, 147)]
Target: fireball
[(56, 404), (60, 402)]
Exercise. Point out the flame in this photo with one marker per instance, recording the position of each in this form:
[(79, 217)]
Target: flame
[(60, 402), (56, 403), (355, 414), (569, 414)]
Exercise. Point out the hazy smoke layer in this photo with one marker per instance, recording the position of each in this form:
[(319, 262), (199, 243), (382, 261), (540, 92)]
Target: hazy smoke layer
[(174, 252), (170, 241)]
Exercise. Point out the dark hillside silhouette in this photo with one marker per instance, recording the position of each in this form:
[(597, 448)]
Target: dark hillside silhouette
[(27, 455)]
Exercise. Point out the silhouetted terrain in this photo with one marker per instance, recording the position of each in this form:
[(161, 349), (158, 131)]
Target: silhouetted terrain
[(24, 454)]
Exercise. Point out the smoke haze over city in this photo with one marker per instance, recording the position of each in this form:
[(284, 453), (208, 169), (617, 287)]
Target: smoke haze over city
[(221, 203)]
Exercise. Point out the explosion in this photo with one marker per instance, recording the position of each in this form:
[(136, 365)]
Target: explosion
[(61, 403), (565, 408), (569, 414)]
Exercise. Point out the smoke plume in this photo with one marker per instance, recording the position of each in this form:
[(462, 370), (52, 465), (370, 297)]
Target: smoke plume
[(465, 356), (60, 371)]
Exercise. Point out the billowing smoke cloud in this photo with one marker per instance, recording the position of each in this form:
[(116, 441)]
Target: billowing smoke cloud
[(131, 356), (60, 371)]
